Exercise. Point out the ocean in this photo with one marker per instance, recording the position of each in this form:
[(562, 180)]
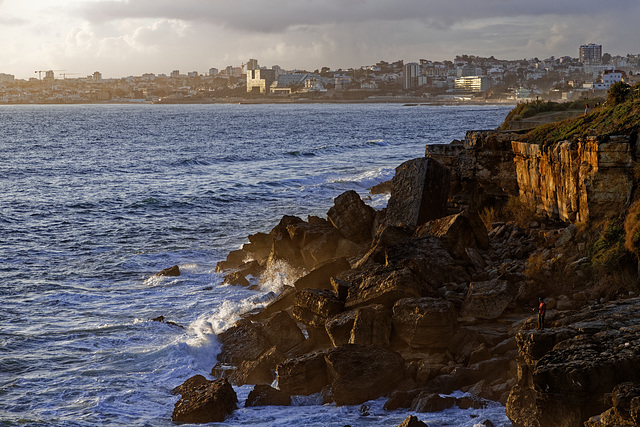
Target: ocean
[(98, 198)]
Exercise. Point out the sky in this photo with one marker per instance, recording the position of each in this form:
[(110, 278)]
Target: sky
[(121, 38)]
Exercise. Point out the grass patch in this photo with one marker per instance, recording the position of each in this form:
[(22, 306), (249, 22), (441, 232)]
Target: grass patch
[(622, 119)]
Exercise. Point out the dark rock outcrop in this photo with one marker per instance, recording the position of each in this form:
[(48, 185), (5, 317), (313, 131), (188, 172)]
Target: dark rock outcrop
[(420, 189), (358, 373), (458, 232), (352, 217), (412, 421), (171, 271), (265, 395), (565, 372), (204, 401), (425, 322)]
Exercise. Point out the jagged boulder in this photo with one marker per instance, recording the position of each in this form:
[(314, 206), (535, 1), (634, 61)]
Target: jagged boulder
[(282, 331), (372, 326), (204, 401), (259, 371), (425, 322), (412, 421), (235, 279), (319, 278), (304, 232), (243, 341), (458, 232), (432, 402), (171, 271), (265, 395), (487, 300), (384, 286), (234, 260), (321, 249), (306, 374), (429, 259), (259, 246), (339, 327), (314, 306), (420, 189), (358, 373), (352, 217)]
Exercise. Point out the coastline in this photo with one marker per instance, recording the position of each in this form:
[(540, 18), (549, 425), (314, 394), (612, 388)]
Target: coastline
[(408, 101), (425, 297)]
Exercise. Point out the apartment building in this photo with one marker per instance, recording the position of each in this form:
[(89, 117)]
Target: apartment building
[(590, 53), (472, 83)]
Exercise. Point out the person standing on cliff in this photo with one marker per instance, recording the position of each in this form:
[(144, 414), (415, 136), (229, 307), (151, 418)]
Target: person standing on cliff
[(542, 309)]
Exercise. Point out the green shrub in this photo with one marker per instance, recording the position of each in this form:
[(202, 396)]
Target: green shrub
[(608, 251), (619, 93)]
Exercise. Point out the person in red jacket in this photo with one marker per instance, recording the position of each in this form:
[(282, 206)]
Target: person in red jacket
[(542, 309)]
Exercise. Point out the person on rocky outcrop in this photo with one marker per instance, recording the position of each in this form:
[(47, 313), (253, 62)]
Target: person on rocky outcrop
[(542, 309)]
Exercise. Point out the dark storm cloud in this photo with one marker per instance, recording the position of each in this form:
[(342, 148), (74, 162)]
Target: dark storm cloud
[(280, 15)]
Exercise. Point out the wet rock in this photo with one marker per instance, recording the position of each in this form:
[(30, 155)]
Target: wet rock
[(425, 322), (259, 246), (171, 271), (252, 268), (244, 341), (204, 401), (420, 189), (303, 233), (234, 260), (352, 217), (235, 279), (168, 322), (303, 375), (358, 373), (265, 395), (259, 371), (282, 331), (283, 301), (412, 421), (432, 402)]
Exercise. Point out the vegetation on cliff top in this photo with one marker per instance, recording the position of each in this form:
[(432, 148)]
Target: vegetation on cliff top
[(620, 115)]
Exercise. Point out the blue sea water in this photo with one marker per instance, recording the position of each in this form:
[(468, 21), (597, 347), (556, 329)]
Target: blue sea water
[(95, 199)]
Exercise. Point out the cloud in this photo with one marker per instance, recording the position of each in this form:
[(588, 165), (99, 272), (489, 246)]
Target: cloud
[(282, 15)]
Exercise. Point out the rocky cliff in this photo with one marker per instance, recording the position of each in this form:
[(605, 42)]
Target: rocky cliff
[(577, 181), (572, 181), (423, 297)]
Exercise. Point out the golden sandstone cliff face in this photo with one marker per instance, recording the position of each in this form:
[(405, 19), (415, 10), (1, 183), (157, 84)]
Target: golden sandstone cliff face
[(572, 181), (576, 181)]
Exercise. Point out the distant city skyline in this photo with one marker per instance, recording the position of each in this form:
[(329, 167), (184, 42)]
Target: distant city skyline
[(121, 38)]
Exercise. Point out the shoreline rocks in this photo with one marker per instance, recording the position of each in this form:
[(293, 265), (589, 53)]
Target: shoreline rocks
[(421, 299)]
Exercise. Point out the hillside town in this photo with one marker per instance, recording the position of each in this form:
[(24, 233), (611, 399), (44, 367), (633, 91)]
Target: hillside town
[(465, 78)]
